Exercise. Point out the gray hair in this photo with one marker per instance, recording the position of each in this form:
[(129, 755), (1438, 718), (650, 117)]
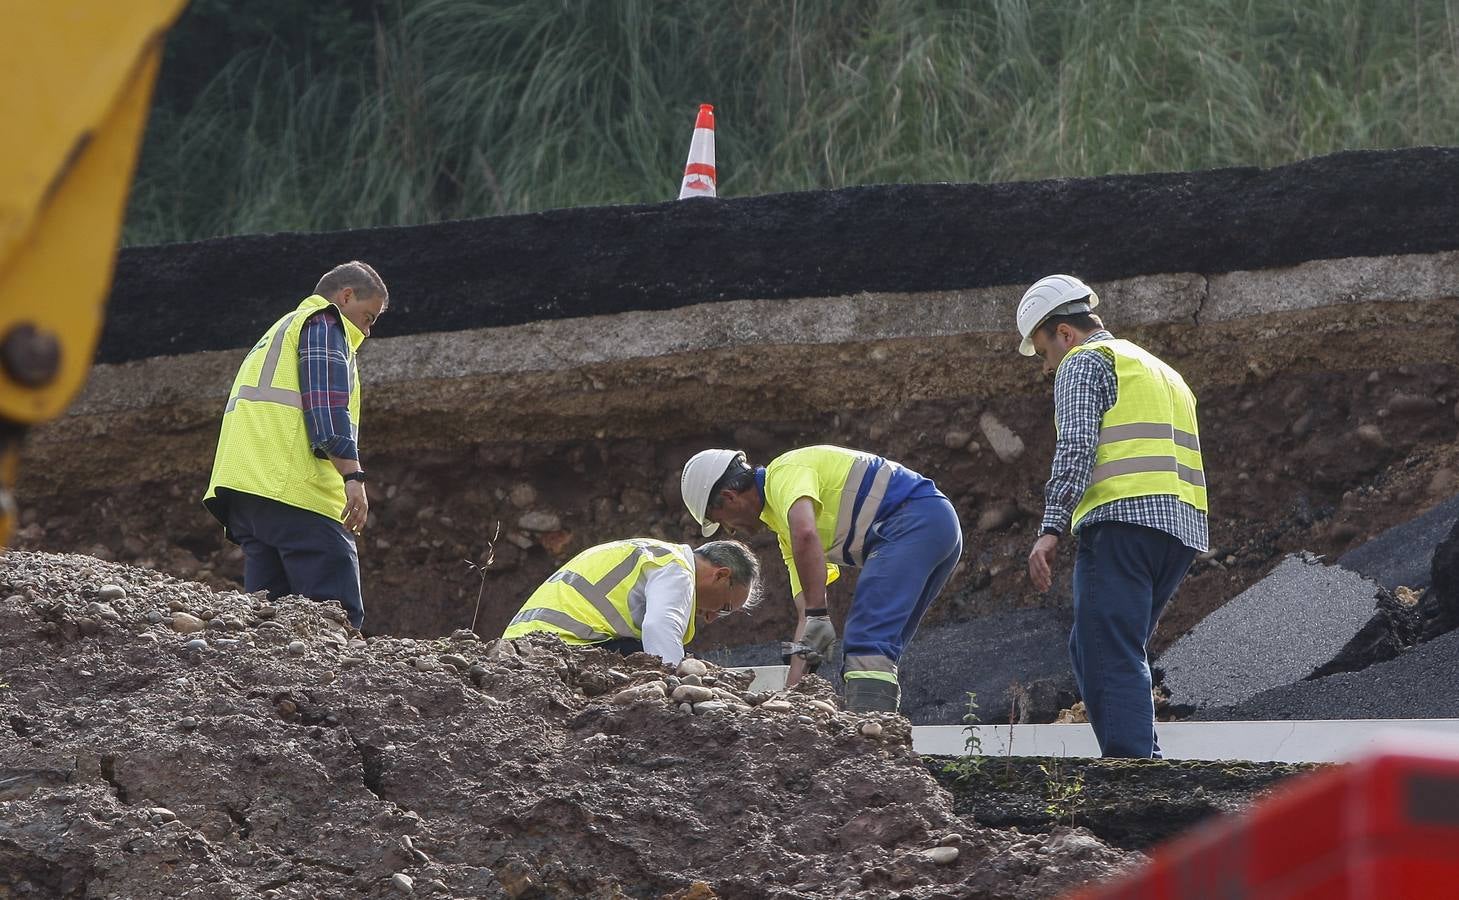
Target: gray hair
[(744, 566), (353, 274)]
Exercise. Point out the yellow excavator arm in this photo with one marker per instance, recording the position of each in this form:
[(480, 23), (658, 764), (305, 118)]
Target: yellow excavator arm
[(76, 81)]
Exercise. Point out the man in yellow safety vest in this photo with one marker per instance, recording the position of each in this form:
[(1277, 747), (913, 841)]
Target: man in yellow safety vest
[(832, 506), (641, 595), (287, 483), (1129, 480)]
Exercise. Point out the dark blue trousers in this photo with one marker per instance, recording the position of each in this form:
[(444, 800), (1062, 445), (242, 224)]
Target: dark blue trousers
[(287, 550), (910, 555), (1123, 577)]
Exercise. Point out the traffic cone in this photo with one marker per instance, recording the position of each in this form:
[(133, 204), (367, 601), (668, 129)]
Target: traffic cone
[(699, 170)]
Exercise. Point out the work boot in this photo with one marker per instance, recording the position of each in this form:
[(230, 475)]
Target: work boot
[(872, 695)]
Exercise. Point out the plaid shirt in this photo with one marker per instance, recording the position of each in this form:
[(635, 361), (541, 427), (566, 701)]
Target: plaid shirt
[(325, 376), (1085, 388)]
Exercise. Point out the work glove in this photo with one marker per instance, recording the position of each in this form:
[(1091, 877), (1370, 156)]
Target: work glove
[(820, 636)]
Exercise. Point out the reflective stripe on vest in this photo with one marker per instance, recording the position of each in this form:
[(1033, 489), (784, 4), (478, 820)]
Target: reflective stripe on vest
[(852, 526), (1149, 443), (263, 447), (590, 608)]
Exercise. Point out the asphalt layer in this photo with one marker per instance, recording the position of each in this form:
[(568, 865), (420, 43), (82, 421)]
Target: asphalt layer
[(1278, 631), (220, 294), (1420, 684), (1403, 554)]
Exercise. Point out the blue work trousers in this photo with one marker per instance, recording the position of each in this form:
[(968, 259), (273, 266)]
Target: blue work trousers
[(287, 550), (1123, 576), (910, 555)]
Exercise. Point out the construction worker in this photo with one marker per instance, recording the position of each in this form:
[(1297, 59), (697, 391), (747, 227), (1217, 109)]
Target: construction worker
[(1128, 479), (641, 595), (287, 483), (831, 506)]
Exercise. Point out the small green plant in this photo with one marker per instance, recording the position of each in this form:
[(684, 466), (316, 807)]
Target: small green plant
[(1063, 793), (970, 764)]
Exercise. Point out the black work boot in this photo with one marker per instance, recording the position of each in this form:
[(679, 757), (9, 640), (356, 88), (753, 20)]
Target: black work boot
[(872, 695)]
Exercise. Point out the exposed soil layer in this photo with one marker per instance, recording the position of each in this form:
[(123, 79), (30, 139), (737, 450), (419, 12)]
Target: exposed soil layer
[(166, 740), (1129, 803), (898, 238), (1297, 458)]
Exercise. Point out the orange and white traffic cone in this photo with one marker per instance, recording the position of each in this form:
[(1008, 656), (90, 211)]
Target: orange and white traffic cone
[(699, 170)]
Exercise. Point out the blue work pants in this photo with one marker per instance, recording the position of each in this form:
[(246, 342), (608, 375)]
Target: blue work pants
[(287, 550), (910, 555), (1123, 576)]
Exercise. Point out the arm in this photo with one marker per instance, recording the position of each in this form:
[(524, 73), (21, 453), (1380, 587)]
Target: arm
[(324, 393), (668, 604), (809, 572), (1084, 390)]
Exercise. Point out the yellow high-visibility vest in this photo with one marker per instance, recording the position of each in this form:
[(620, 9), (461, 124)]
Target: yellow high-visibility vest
[(599, 594), (264, 445), (1148, 441)]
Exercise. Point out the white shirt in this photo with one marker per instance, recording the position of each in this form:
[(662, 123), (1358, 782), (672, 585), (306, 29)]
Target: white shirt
[(668, 607)]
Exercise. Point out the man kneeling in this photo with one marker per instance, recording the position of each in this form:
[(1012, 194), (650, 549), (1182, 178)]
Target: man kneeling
[(641, 595)]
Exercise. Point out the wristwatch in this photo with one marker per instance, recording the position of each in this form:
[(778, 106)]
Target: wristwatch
[(1048, 529), (355, 476)]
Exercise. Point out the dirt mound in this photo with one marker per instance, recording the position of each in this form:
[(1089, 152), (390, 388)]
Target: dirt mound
[(172, 741)]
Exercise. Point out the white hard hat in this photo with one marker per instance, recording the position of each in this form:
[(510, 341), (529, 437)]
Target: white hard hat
[(1055, 295), (703, 470)]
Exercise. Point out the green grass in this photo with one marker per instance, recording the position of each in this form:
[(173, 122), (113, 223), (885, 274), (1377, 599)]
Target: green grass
[(464, 108)]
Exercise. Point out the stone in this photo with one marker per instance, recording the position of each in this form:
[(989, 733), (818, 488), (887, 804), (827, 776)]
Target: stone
[(805, 720), (1370, 434), (539, 520), (776, 706), (88, 625), (950, 839), (104, 610), (426, 664), (942, 856), (692, 693), (523, 495), (823, 706), (686, 707), (349, 661), (997, 517), (691, 666), (187, 723), (710, 706), (402, 883), (1004, 441), (691, 679), (108, 592), (162, 814), (653, 690), (1411, 404), (956, 438), (186, 623), (871, 729), (454, 661), (216, 624), (196, 644), (297, 648)]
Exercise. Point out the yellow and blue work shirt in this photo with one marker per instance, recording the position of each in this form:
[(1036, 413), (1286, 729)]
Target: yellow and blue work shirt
[(1149, 442), (264, 447), (601, 593), (850, 491)]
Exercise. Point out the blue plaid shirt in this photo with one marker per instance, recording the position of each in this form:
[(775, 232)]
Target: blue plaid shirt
[(324, 386), (1085, 388)]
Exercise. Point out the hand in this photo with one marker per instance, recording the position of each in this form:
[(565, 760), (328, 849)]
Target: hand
[(820, 635), (356, 506), (1041, 561)]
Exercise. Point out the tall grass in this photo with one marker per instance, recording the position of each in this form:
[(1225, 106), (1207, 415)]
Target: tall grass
[(477, 107)]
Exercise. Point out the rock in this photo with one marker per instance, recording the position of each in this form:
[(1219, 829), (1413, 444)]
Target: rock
[(265, 612), (654, 690), (692, 693), (710, 706), (88, 625), (686, 707), (109, 592), (1370, 434), (402, 883), (805, 720), (777, 706), (454, 661), (523, 495), (997, 517), (823, 706), (956, 438), (102, 610), (196, 644), (176, 606), (216, 624), (1303, 424), (1005, 443), (691, 666), (942, 856), (1411, 404), (153, 617), (162, 814), (186, 623), (539, 520), (461, 635), (426, 664), (348, 661), (950, 839), (297, 648), (187, 723), (871, 729)]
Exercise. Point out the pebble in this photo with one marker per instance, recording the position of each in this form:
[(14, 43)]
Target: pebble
[(942, 856), (454, 661), (265, 612), (426, 664), (871, 729), (162, 814), (539, 520), (686, 707), (148, 638), (950, 839), (618, 677), (177, 606), (691, 679), (187, 723), (348, 661), (672, 681), (692, 693), (1370, 434), (196, 644), (776, 706), (226, 643), (186, 623), (153, 617), (709, 706), (111, 592), (805, 720), (825, 707), (691, 666), (88, 625), (654, 690), (297, 648), (216, 624), (102, 609), (402, 883)]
